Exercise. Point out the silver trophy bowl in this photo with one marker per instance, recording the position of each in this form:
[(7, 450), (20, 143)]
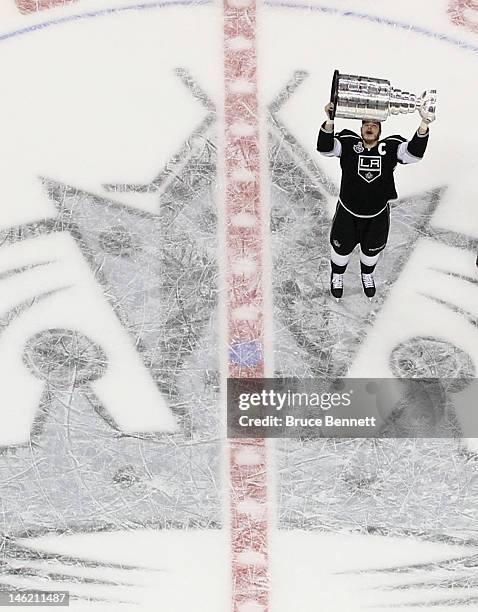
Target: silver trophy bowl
[(360, 97)]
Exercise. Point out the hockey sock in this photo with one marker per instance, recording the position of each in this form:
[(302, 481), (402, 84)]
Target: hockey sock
[(368, 263), (338, 262)]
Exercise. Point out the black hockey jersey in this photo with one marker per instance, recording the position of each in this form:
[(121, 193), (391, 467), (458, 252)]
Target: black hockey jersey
[(367, 175)]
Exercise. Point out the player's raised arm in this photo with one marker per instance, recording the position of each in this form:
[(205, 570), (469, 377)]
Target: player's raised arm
[(327, 144), (413, 151)]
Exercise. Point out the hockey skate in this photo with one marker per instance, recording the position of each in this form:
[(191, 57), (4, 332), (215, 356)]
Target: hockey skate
[(336, 285), (368, 285)]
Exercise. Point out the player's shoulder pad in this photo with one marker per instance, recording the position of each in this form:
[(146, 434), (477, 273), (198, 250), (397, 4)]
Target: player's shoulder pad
[(394, 138), (347, 134)]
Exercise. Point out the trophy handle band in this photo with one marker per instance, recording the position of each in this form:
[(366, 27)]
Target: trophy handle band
[(334, 92)]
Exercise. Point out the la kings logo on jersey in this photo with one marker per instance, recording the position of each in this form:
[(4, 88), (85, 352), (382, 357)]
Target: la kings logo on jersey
[(369, 167)]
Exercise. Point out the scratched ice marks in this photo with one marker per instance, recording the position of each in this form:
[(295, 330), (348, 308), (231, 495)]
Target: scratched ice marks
[(79, 472), (158, 275), (389, 487)]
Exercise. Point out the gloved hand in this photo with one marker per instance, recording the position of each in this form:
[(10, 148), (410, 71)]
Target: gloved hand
[(428, 106), (329, 109)]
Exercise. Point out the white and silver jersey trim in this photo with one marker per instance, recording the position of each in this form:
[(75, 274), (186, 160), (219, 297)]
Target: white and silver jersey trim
[(336, 151), (404, 156)]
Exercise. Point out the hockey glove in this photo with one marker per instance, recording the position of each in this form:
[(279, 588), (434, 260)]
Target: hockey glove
[(428, 103)]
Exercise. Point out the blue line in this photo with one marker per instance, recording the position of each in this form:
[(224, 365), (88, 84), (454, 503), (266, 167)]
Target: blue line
[(380, 20), (101, 13)]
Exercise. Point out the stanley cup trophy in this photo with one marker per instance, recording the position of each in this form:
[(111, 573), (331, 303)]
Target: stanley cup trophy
[(359, 97)]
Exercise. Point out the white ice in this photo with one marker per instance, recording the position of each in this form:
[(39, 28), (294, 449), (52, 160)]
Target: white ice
[(97, 101)]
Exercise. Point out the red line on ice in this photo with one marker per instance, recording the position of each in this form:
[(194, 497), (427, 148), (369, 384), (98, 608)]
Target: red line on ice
[(464, 13), (248, 480), (33, 6)]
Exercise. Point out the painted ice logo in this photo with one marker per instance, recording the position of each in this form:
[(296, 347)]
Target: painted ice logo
[(104, 336), (108, 360), (99, 348), (329, 342), (369, 167), (152, 278)]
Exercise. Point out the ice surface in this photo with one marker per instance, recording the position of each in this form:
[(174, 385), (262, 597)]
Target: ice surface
[(419, 491), (113, 475)]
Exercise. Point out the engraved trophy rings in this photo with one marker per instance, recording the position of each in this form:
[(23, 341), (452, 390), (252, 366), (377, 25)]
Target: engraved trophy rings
[(360, 97)]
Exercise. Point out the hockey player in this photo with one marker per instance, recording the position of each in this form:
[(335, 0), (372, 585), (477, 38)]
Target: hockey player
[(362, 215)]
